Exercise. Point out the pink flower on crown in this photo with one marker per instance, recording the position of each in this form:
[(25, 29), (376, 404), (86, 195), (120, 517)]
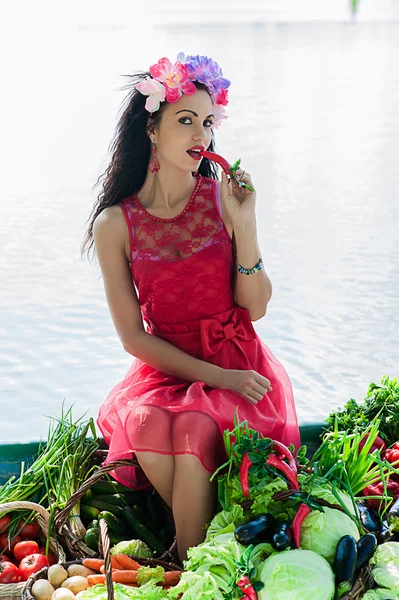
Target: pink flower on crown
[(154, 90), (174, 78), (218, 116), (222, 98)]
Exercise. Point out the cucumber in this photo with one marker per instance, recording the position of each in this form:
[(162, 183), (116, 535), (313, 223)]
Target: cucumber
[(165, 536), (112, 508), (114, 524), (154, 512), (87, 496), (115, 538), (141, 531), (109, 487), (93, 524), (88, 513), (92, 538)]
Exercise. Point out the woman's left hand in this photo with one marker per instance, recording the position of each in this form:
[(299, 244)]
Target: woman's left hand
[(239, 201)]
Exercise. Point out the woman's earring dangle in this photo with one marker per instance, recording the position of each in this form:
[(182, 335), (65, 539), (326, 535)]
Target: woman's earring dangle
[(154, 164)]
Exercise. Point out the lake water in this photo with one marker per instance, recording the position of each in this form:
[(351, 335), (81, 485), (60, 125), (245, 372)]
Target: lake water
[(314, 115)]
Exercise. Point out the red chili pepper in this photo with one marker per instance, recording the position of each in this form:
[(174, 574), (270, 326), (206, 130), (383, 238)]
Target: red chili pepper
[(218, 159), (396, 446), (279, 464), (247, 588), (378, 490), (286, 452), (301, 513), (244, 472)]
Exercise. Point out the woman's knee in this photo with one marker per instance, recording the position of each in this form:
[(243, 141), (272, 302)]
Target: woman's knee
[(196, 430)]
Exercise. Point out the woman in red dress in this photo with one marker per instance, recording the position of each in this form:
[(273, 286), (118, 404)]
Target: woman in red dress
[(184, 280)]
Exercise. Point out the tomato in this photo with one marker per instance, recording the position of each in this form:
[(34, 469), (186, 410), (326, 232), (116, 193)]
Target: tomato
[(4, 523), (32, 564), (8, 572), (51, 558), (8, 544), (24, 548), (29, 531)]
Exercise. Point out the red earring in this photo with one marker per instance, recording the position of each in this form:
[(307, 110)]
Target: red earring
[(154, 164)]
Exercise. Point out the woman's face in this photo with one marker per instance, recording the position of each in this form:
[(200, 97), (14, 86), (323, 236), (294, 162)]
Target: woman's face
[(184, 124)]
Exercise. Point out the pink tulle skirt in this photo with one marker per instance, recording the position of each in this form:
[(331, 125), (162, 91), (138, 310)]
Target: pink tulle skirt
[(150, 411)]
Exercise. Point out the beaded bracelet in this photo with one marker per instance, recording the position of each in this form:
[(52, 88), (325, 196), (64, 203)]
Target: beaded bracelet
[(255, 269)]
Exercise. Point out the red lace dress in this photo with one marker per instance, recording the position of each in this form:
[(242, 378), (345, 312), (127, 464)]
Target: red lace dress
[(182, 269)]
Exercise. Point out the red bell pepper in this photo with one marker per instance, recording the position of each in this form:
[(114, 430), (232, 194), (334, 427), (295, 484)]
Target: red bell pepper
[(378, 490), (286, 453), (245, 585), (244, 472), (277, 463), (301, 514), (391, 455), (378, 443)]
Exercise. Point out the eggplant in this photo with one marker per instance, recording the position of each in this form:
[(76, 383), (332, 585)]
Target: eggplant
[(393, 517), (281, 536), (345, 561), (366, 547), (385, 534), (256, 530), (369, 518)]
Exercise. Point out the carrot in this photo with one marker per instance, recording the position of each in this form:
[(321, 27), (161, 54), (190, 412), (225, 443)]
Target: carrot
[(171, 577), (124, 576), (94, 579), (127, 563), (116, 564), (93, 563)]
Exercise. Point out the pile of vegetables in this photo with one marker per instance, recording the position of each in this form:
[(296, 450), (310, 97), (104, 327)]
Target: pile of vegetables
[(128, 514)]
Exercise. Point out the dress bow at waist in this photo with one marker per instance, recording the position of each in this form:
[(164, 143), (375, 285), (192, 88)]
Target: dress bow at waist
[(233, 325)]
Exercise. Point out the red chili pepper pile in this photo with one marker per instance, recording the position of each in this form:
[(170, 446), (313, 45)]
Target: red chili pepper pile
[(245, 585)]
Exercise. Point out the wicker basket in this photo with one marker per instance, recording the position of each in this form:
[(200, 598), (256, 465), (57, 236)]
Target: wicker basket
[(13, 591), (77, 547), (105, 543)]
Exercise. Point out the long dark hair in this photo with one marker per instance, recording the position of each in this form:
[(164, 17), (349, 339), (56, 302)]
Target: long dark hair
[(130, 151)]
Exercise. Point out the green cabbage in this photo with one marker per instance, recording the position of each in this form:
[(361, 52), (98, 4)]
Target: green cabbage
[(386, 554), (387, 576), (133, 548), (380, 594), (296, 575), (321, 532)]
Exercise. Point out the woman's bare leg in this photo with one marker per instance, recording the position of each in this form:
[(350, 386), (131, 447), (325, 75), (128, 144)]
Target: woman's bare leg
[(160, 471), (193, 503)]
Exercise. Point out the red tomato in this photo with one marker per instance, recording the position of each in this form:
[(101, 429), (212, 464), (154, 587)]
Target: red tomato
[(4, 523), (24, 548), (51, 558), (8, 572), (8, 544), (29, 531), (32, 564)]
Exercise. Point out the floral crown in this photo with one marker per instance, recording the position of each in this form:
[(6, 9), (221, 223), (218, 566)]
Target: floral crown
[(169, 82)]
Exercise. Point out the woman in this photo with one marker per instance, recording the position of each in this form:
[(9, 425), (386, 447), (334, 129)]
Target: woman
[(178, 250)]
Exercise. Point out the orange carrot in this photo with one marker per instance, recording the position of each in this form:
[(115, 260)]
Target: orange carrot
[(127, 563), (115, 563), (93, 563), (94, 579), (124, 576), (171, 577)]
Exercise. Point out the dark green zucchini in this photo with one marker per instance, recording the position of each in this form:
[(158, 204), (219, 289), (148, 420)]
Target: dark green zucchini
[(109, 487), (142, 532), (87, 496), (121, 500), (144, 518), (114, 524)]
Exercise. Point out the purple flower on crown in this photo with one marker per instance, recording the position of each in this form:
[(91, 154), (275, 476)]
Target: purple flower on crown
[(206, 71)]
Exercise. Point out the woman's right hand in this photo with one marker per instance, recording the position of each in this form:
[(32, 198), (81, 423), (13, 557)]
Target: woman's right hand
[(249, 384)]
